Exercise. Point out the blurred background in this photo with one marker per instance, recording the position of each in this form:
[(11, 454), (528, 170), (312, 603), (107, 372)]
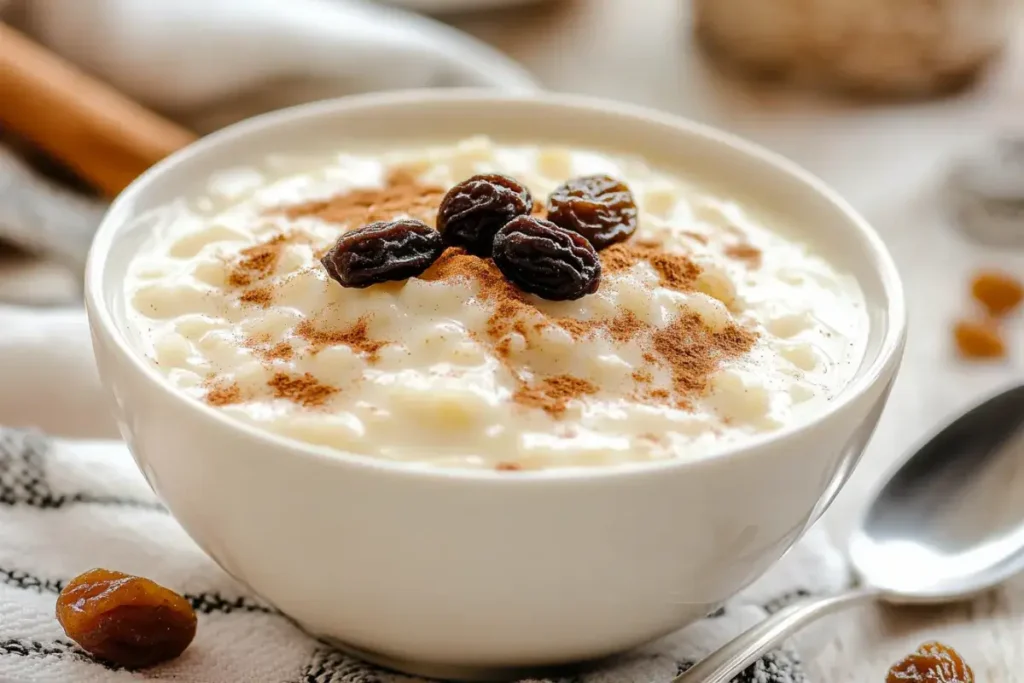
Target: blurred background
[(913, 109)]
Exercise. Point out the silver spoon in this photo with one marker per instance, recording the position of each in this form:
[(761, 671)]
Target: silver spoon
[(947, 524)]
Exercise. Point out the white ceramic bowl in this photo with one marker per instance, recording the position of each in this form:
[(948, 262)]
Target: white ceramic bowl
[(470, 573)]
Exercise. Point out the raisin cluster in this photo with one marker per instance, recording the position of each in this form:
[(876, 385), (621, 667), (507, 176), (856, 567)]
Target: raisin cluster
[(489, 215)]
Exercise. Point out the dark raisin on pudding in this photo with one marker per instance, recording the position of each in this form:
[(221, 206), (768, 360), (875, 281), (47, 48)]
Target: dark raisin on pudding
[(475, 209), (932, 663), (382, 251), (541, 258), (599, 207), (125, 620)]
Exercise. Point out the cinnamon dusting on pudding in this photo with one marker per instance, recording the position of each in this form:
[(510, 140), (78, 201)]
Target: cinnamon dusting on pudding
[(511, 306), (258, 296), (257, 262), (222, 394), (402, 195), (745, 252), (626, 326), (455, 344), (356, 336), (306, 390), (675, 271), (577, 329), (659, 395), (688, 348), (642, 377), (552, 394), (279, 351), (693, 350), (262, 348)]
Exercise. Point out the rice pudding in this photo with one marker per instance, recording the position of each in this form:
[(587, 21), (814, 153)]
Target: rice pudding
[(710, 325)]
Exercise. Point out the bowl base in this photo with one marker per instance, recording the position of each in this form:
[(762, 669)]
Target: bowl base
[(456, 672)]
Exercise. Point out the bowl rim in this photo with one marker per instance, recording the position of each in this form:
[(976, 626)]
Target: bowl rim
[(121, 211)]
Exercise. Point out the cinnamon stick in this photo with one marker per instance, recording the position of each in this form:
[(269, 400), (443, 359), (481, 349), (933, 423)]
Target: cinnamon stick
[(103, 136)]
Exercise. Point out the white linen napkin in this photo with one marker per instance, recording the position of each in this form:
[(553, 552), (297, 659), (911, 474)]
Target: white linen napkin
[(66, 507)]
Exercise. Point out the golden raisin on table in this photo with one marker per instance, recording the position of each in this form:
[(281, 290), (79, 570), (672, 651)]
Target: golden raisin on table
[(979, 339), (932, 663), (998, 292), (125, 620)]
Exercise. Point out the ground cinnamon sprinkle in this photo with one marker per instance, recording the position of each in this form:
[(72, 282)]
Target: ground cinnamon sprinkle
[(256, 262), (642, 377), (619, 257), (552, 394), (693, 350), (264, 351), (221, 394), (625, 326), (511, 307), (262, 348), (258, 296), (279, 351), (306, 390), (402, 195), (355, 336), (507, 316), (504, 348), (688, 348), (676, 271), (745, 252), (577, 329)]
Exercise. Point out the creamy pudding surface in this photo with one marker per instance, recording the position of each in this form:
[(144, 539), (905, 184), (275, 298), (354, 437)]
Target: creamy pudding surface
[(710, 326)]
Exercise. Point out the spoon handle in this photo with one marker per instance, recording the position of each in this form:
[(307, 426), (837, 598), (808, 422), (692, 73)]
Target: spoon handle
[(736, 655)]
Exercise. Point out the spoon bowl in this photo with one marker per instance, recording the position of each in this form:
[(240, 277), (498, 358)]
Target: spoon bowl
[(949, 522)]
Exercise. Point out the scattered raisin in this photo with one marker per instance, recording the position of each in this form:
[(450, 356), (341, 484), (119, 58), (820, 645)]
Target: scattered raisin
[(126, 620), (475, 209), (999, 292), (386, 250), (932, 663), (541, 258), (979, 339), (599, 207)]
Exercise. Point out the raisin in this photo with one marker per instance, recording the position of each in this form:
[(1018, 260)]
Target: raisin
[(125, 620), (599, 207), (979, 339), (541, 258), (1000, 293), (932, 663), (386, 250), (475, 209)]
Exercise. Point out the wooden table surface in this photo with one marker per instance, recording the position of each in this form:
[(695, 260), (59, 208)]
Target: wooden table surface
[(890, 162)]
